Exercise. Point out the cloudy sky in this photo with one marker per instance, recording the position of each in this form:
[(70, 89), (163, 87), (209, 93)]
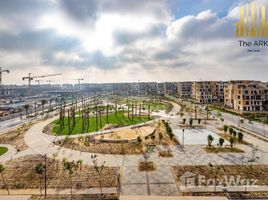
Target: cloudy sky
[(126, 40)]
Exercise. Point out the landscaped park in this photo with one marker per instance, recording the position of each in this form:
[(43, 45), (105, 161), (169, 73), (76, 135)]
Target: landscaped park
[(117, 146)]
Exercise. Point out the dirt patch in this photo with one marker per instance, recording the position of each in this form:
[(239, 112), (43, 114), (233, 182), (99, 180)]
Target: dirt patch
[(259, 172), (20, 174), (223, 150), (147, 166), (77, 197), (165, 154), (84, 145), (48, 129), (15, 138)]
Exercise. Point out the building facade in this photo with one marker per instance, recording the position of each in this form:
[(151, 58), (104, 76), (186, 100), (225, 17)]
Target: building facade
[(246, 96), (185, 89)]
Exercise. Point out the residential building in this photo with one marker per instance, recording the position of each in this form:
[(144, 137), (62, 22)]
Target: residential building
[(246, 96), (184, 89), (204, 91)]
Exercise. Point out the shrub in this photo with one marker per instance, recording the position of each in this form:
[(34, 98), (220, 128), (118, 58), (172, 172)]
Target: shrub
[(225, 128), (191, 121), (210, 139), (240, 137), (231, 130), (221, 141), (139, 140), (232, 142)]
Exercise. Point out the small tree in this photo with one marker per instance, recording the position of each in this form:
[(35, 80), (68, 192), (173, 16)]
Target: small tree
[(2, 169), (191, 122), (183, 120), (27, 107), (254, 157), (225, 128), (69, 166), (39, 169), (240, 137), (232, 142), (210, 140), (43, 102), (98, 169), (221, 141), (231, 130), (234, 134), (160, 135)]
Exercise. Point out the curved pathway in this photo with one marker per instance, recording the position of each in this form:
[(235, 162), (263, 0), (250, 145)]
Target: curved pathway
[(40, 143)]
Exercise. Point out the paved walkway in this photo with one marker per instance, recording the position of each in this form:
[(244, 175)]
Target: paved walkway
[(134, 182)]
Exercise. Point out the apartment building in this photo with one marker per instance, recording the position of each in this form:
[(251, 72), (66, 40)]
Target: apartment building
[(204, 91), (246, 96), (185, 89)]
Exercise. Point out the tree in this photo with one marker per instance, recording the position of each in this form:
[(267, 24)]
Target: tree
[(2, 169), (210, 140), (225, 128), (221, 141), (69, 166), (27, 107), (191, 122), (43, 103), (39, 169), (184, 120), (234, 134), (98, 169), (254, 157), (231, 130), (240, 137), (160, 135), (232, 142)]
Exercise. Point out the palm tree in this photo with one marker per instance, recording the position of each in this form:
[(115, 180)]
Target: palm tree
[(39, 169), (43, 102), (27, 107), (2, 169)]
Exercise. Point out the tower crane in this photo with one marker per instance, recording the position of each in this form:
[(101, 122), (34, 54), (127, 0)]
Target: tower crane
[(30, 78), (1, 72)]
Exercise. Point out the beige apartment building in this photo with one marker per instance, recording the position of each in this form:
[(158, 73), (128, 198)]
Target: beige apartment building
[(185, 89), (246, 96), (208, 91)]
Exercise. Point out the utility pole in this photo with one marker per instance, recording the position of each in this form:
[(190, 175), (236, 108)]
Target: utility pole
[(45, 174)]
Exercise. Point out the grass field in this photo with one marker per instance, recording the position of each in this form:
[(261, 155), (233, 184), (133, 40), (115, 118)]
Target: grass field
[(119, 119), (3, 150)]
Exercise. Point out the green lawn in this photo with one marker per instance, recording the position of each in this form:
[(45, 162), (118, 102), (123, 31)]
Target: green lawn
[(3, 150), (113, 119)]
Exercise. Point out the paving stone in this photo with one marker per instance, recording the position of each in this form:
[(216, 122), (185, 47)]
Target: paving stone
[(135, 189), (163, 189)]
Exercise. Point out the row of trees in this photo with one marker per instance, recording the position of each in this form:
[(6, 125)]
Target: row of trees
[(94, 108)]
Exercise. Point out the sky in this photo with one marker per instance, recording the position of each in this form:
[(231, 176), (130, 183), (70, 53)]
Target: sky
[(126, 41)]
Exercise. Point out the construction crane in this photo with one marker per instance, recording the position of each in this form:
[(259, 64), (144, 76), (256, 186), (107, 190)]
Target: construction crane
[(1, 72), (30, 78)]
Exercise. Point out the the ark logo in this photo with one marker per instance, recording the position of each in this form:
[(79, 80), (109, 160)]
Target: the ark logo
[(252, 21)]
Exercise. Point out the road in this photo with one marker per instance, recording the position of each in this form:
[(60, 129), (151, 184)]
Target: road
[(255, 127)]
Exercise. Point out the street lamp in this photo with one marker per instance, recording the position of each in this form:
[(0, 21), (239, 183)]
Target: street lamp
[(183, 138)]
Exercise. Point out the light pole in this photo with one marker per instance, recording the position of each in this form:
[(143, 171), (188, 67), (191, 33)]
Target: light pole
[(183, 138)]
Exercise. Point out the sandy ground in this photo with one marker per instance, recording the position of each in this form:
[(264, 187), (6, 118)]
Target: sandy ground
[(128, 134)]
